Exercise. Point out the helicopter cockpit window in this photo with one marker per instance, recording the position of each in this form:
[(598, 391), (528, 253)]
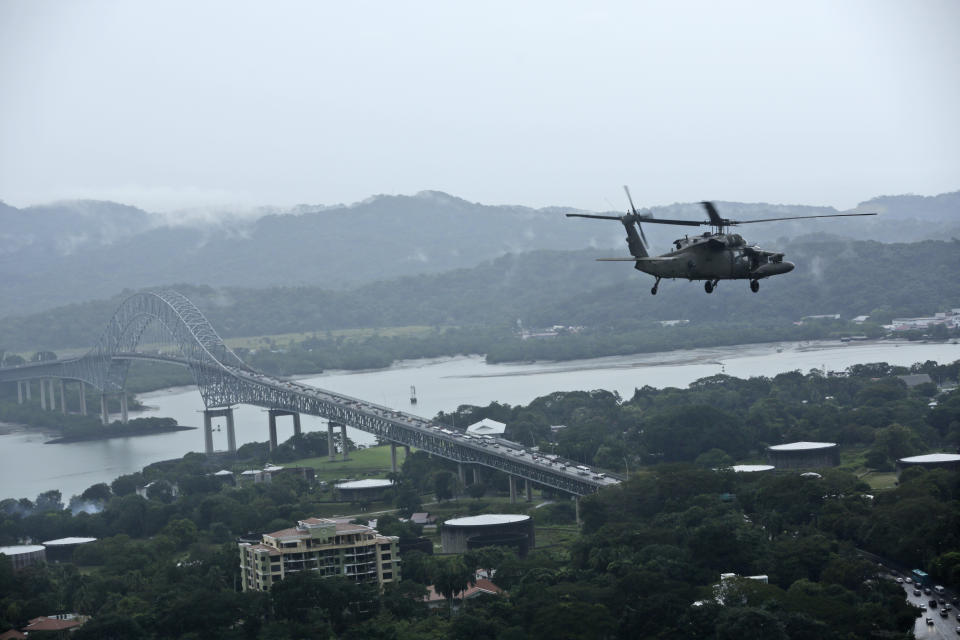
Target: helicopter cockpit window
[(735, 240)]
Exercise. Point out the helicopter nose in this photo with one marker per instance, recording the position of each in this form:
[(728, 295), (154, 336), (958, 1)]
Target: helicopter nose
[(787, 266)]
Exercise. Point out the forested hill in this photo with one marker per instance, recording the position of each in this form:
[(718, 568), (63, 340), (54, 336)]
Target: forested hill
[(547, 288), (76, 251)]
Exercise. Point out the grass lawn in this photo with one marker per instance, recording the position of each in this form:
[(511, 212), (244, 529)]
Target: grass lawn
[(880, 481), (373, 462), (556, 535)]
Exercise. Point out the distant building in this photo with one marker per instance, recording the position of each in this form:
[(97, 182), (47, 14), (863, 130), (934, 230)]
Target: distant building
[(319, 544), (493, 529), (752, 468), (362, 490), (61, 549), (950, 319), (54, 626), (481, 587), (487, 427), (950, 461), (423, 518), (25, 555), (804, 455)]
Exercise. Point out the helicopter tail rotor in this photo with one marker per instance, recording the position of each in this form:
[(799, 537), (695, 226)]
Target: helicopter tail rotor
[(636, 217), (636, 242)]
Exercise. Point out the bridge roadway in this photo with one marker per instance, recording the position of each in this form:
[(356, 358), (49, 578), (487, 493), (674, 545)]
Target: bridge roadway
[(247, 386), (408, 429), (225, 380)]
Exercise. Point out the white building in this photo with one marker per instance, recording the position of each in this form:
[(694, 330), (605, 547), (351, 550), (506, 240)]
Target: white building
[(487, 427)]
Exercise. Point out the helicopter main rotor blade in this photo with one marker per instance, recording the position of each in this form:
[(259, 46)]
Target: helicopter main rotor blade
[(684, 223), (832, 215), (639, 218), (596, 217), (630, 200)]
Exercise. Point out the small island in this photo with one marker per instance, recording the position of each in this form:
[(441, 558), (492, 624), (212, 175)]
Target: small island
[(135, 427)]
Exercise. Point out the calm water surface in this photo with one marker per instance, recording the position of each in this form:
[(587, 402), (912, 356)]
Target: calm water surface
[(28, 467)]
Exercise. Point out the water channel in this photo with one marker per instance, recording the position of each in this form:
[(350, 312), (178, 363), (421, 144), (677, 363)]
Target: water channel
[(28, 467)]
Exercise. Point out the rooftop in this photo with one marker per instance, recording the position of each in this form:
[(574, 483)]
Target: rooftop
[(802, 446), (486, 519), (487, 426), (933, 457), (370, 483), (21, 548), (65, 541), (44, 623), (478, 588)]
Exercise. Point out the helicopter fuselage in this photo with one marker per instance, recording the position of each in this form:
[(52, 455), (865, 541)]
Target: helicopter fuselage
[(714, 256), (711, 256)]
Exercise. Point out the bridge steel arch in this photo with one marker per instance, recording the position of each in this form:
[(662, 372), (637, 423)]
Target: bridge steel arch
[(225, 380)]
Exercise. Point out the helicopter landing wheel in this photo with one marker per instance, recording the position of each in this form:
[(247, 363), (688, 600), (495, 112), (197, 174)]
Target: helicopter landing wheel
[(656, 284), (708, 286), (754, 285)]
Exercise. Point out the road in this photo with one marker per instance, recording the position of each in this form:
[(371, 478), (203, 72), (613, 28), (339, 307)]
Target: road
[(942, 628)]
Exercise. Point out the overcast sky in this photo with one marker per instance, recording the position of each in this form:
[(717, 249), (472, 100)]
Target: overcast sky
[(193, 104)]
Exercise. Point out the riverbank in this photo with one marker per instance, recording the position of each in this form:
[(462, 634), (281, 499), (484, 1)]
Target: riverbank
[(118, 433), (443, 384)]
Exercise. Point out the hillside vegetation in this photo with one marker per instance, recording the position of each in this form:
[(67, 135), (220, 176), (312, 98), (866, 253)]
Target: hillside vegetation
[(557, 288), (69, 252)]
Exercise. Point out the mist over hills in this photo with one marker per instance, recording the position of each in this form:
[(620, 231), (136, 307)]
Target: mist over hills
[(61, 253)]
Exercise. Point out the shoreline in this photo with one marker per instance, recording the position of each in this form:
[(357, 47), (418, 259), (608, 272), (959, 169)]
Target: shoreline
[(108, 436)]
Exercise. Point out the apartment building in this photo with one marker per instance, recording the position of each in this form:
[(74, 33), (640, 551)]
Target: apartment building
[(332, 548)]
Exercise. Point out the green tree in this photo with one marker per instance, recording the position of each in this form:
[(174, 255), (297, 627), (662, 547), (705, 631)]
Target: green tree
[(444, 485)]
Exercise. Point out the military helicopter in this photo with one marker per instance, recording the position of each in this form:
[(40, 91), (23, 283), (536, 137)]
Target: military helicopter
[(712, 256)]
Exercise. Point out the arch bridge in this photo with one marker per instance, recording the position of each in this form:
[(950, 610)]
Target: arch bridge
[(165, 326)]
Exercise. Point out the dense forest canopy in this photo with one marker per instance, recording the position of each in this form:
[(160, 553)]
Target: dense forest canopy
[(646, 563)]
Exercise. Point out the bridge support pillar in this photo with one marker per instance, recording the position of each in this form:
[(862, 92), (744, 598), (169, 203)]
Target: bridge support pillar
[(462, 473), (207, 433), (124, 414), (231, 433), (576, 508), (393, 457), (63, 398), (406, 449), (272, 420), (104, 416), (513, 489), (273, 415), (83, 398), (529, 490), (208, 416), (53, 395), (19, 391), (27, 383), (476, 473), (343, 437), (331, 450), (43, 394)]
